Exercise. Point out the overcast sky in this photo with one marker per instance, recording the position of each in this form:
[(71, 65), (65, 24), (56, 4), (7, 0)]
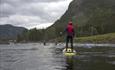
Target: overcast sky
[(32, 13)]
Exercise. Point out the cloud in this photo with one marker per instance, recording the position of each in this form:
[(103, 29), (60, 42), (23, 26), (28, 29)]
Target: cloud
[(32, 13), (27, 1)]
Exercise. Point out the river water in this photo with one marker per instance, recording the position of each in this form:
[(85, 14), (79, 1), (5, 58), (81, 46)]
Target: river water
[(36, 56)]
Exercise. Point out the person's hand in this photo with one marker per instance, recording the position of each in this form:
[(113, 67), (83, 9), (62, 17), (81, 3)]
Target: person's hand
[(60, 33)]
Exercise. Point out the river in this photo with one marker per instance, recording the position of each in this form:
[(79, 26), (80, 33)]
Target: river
[(36, 56)]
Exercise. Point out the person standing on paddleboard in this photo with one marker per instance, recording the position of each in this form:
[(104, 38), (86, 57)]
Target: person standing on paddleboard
[(69, 34)]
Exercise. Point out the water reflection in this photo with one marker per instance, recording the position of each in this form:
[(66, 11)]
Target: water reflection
[(35, 56), (69, 62)]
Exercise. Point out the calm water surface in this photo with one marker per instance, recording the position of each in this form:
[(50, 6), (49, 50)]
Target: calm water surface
[(35, 56)]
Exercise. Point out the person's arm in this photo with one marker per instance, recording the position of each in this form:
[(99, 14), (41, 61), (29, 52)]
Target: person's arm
[(62, 33)]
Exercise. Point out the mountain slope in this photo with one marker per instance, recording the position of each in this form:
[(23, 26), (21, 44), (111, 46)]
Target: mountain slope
[(10, 32), (91, 17)]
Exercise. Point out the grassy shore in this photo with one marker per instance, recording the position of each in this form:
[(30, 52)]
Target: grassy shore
[(105, 38)]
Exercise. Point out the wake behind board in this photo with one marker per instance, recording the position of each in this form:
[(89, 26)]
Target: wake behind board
[(69, 52)]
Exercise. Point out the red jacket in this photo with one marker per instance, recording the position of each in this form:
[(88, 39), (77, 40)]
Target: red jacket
[(70, 30)]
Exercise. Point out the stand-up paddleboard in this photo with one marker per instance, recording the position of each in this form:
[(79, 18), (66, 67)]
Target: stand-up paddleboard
[(69, 52)]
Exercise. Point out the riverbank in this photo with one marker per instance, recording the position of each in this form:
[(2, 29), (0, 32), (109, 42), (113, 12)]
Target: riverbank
[(105, 38)]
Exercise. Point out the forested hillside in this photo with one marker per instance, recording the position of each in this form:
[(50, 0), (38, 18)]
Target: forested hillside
[(10, 32), (90, 17)]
